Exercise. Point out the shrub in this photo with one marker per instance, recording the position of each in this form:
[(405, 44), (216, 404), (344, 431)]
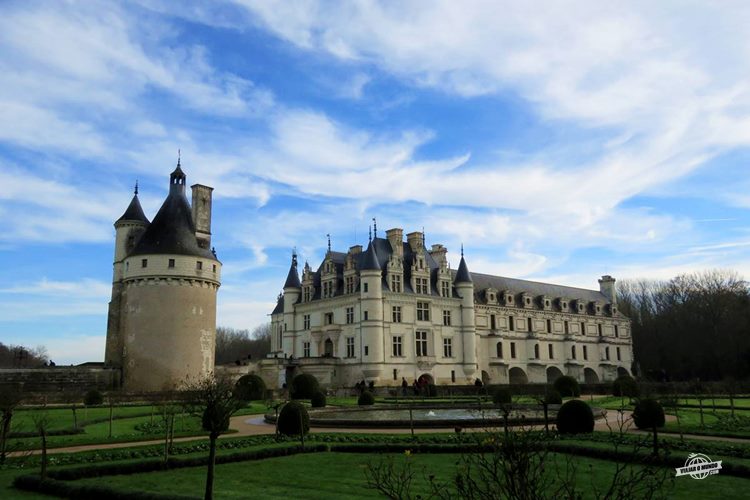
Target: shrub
[(366, 399), (304, 386), (250, 388), (291, 416), (93, 398), (625, 386), (502, 396), (648, 414), (318, 400), (567, 386), (575, 417), (552, 397)]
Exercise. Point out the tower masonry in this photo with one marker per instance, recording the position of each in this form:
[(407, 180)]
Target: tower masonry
[(161, 328)]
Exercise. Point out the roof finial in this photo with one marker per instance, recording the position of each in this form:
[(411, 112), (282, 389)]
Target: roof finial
[(329, 241), (423, 237), (462, 250), (178, 157), (375, 226), (136, 187), (294, 257)]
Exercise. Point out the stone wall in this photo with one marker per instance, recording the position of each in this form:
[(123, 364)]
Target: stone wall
[(60, 379)]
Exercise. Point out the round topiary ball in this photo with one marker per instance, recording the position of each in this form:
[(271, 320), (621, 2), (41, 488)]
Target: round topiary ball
[(648, 413), (625, 386), (366, 399), (93, 398), (575, 417), (552, 397), (214, 420), (567, 386), (502, 396), (293, 419), (250, 388), (304, 386), (318, 400)]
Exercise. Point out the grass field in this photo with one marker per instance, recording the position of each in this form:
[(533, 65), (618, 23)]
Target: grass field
[(341, 475)]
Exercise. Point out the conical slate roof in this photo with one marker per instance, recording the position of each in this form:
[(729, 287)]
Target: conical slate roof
[(462, 275), (134, 212), (371, 262), (172, 231), (292, 279)]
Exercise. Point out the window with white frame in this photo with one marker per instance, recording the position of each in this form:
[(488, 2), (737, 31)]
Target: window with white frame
[(396, 283), (396, 314), (306, 349), (421, 345), (422, 285), (423, 311), (306, 322), (447, 348), (349, 315), (349, 347), (350, 284), (397, 346), (445, 289), (329, 318), (446, 317), (307, 294)]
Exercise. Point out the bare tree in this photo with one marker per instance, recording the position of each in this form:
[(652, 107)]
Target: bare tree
[(10, 399), (234, 345)]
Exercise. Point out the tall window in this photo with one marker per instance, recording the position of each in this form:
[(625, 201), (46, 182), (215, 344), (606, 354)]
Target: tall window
[(536, 351), (396, 283), (365, 287), (618, 354), (423, 311), (422, 285), (583, 328), (349, 315), (421, 347), (573, 352), (511, 323), (499, 349), (349, 347), (396, 346), (599, 329), (307, 294), (513, 350), (549, 326), (447, 348), (606, 353), (551, 351), (585, 352), (567, 327), (306, 322), (350, 284), (396, 313), (329, 318), (529, 325), (445, 289), (446, 318), (617, 331), (328, 289), (493, 322), (306, 349), (366, 315)]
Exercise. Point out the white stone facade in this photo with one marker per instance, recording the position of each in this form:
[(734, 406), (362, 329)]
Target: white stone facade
[(411, 316)]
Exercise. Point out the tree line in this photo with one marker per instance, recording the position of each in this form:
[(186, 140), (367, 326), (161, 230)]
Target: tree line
[(16, 356), (693, 326), (235, 346)]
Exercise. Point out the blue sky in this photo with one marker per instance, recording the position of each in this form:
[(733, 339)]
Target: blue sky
[(556, 142)]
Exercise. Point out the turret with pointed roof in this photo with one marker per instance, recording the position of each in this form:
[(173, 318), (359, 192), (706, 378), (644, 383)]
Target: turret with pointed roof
[(134, 212), (292, 279), (371, 261), (462, 275)]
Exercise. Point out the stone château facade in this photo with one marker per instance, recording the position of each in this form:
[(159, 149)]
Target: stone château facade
[(397, 310), (161, 328)]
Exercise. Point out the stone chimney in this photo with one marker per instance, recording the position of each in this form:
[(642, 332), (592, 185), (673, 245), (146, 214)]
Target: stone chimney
[(396, 239), (438, 253), (202, 213), (354, 250), (607, 288), (416, 240)]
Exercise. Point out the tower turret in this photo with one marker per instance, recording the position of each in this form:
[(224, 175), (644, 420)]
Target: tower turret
[(465, 290), (371, 294), (292, 290)]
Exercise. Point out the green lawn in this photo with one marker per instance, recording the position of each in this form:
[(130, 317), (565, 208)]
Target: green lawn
[(341, 475)]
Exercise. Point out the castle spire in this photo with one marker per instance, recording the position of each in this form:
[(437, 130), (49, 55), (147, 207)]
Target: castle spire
[(292, 279), (136, 188)]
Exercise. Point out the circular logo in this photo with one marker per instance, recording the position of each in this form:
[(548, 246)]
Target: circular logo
[(698, 459)]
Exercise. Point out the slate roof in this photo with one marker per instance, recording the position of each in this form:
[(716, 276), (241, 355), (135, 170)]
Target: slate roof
[(172, 230), (292, 279), (533, 288), (371, 259), (134, 212), (463, 275)]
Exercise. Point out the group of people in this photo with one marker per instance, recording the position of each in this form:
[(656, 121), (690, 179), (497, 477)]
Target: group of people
[(418, 387), (360, 387)]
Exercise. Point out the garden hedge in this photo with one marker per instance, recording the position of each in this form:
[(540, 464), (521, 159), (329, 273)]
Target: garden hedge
[(575, 417), (304, 386), (293, 419), (567, 386), (250, 387)]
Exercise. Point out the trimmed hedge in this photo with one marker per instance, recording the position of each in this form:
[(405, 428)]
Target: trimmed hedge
[(93, 398), (648, 413), (318, 400), (250, 387), (366, 399), (304, 386), (291, 416), (567, 386), (553, 397), (575, 417), (502, 396), (625, 386)]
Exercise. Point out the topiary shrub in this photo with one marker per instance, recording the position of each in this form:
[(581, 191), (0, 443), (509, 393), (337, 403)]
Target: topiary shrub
[(625, 386), (293, 419), (567, 386), (552, 397), (575, 417), (366, 399), (93, 398), (304, 386), (432, 390), (648, 413), (250, 388), (502, 396), (318, 400)]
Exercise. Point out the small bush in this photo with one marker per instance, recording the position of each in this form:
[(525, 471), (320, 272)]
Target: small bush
[(291, 416), (575, 417), (304, 386), (567, 386), (502, 396), (366, 399), (250, 388), (625, 386), (552, 397), (318, 400), (93, 398), (648, 413)]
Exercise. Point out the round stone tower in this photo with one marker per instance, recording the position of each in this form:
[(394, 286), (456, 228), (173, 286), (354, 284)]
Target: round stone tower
[(167, 293), (465, 288)]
